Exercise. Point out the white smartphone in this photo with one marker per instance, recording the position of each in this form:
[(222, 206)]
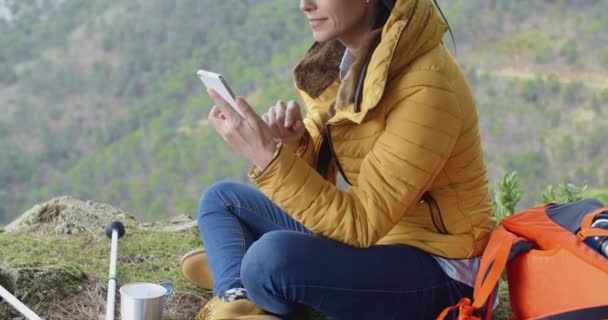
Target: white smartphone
[(216, 82)]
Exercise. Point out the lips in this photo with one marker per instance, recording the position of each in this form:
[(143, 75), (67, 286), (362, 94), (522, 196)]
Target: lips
[(315, 23)]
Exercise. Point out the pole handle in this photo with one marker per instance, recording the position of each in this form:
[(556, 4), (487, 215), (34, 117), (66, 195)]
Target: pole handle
[(115, 225)]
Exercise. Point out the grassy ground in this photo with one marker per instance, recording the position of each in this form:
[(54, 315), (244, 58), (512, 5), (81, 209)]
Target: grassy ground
[(143, 256)]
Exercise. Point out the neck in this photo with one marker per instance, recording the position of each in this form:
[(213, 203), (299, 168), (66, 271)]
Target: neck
[(354, 40), (355, 46)]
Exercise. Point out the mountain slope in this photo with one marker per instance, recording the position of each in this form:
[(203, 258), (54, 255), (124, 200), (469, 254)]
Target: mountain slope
[(99, 98)]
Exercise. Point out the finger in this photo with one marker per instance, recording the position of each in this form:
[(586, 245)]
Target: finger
[(246, 109), (267, 123), (223, 105), (280, 116), (257, 128), (214, 113), (217, 113), (280, 103), (277, 106), (272, 122), (215, 116), (293, 114)]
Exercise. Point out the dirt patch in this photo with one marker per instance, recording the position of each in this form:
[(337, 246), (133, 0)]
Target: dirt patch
[(90, 303)]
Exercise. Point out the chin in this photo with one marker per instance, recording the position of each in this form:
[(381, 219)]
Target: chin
[(322, 37)]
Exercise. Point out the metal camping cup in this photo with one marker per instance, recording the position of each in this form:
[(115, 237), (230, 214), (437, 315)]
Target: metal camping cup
[(143, 301)]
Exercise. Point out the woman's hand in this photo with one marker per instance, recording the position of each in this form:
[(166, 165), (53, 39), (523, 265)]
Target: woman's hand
[(249, 135), (285, 120)]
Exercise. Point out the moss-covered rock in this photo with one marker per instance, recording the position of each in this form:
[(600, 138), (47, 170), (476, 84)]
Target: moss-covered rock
[(66, 215), (40, 287), (55, 257)]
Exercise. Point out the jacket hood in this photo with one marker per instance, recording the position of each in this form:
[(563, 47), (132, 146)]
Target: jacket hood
[(413, 28)]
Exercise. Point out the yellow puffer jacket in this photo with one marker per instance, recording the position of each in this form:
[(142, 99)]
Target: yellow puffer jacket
[(403, 129)]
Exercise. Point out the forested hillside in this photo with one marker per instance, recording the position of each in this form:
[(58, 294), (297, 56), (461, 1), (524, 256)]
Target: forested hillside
[(99, 99)]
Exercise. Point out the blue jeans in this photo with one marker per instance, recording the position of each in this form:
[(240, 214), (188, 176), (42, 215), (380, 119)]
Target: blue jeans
[(251, 243)]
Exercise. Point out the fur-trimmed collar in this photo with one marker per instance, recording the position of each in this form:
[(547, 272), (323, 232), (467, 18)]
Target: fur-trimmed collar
[(320, 67)]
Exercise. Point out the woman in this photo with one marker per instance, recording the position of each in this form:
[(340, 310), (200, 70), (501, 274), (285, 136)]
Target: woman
[(389, 109)]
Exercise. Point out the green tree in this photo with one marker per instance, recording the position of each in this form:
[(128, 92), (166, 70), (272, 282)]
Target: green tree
[(570, 52), (7, 74), (603, 53)]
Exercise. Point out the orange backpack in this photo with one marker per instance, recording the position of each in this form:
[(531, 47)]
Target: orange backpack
[(552, 273)]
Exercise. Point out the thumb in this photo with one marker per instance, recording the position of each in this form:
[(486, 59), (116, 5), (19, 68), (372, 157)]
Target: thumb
[(297, 128), (298, 125)]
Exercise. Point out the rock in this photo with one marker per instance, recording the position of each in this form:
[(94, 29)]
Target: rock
[(7, 280), (180, 227), (175, 224), (66, 215), (40, 288)]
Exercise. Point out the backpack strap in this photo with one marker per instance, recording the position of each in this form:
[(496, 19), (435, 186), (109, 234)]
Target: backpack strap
[(491, 269), (493, 262), (587, 231), (465, 310)]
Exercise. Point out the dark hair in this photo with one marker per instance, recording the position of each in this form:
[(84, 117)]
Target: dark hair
[(385, 7), (383, 11)]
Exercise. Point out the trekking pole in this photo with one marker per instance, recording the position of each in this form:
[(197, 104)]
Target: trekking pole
[(23, 309), (115, 230)]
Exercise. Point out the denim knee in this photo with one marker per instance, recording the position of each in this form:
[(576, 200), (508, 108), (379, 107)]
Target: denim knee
[(266, 266), (266, 259), (213, 199)]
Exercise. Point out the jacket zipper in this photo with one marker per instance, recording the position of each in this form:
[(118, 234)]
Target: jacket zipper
[(436, 216)]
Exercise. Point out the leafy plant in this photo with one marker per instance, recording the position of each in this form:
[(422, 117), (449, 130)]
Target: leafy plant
[(564, 193), (508, 195), (600, 194)]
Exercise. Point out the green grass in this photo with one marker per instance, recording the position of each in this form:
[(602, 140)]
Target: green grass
[(142, 256)]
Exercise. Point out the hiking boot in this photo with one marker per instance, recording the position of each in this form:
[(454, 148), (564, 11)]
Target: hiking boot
[(242, 309), (195, 268)]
